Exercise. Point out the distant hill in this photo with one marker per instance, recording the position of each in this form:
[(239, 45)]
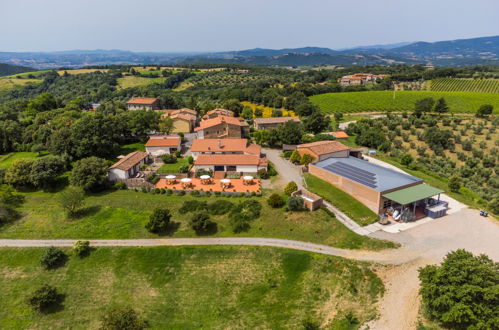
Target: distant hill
[(474, 51), (8, 69)]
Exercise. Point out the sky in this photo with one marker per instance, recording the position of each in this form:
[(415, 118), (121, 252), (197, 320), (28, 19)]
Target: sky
[(221, 25)]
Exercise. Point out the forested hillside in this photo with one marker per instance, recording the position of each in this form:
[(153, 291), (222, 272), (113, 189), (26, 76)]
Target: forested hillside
[(7, 69)]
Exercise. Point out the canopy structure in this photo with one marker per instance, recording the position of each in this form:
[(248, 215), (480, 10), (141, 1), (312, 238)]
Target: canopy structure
[(225, 180), (204, 177), (185, 180), (412, 194)]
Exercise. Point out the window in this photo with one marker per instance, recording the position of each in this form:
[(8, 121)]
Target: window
[(387, 204)]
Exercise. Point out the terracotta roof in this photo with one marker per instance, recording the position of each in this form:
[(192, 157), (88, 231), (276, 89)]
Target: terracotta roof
[(229, 145), (339, 135), (224, 112), (184, 116), (130, 160), (227, 160), (275, 120), (263, 162), (324, 147), (164, 141), (142, 100), (219, 120), (253, 149)]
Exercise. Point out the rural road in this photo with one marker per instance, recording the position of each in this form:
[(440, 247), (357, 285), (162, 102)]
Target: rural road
[(390, 256)]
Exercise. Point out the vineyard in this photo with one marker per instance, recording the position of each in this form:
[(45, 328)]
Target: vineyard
[(353, 102), (465, 85)]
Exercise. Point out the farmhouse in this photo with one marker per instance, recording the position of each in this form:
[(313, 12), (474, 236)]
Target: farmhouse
[(143, 103), (322, 150), (381, 189), (222, 127), (184, 119), (227, 155), (218, 112), (359, 79), (160, 145), (128, 166), (273, 122)]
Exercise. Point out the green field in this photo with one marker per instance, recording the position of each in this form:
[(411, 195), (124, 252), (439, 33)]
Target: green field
[(173, 168), (134, 81), (353, 102), (192, 288), (343, 201), (123, 214), (464, 85), (10, 83), (7, 159)]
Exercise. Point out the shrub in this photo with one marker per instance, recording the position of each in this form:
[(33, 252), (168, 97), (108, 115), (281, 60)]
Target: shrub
[(494, 205), (158, 220), (72, 199), (220, 207), (168, 159), (44, 297), (306, 159), (119, 186), (238, 223), (169, 192), (295, 204), (152, 178), (181, 193), (406, 159), (263, 174), (275, 201), (192, 206), (286, 154), (201, 223), (295, 157), (81, 248), (454, 183), (461, 292), (195, 193), (183, 169), (53, 258), (190, 160), (178, 154), (290, 188), (122, 319)]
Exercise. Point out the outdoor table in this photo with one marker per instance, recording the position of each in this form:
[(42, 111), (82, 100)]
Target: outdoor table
[(170, 179), (247, 179), (225, 183), (205, 179), (186, 182)]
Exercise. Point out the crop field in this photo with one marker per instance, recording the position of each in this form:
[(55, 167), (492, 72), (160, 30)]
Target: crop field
[(465, 85), (134, 81), (352, 102), (225, 78), (28, 74), (10, 83), (267, 111), (191, 288)]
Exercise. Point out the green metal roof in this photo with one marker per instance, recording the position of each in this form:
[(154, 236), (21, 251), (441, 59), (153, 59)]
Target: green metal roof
[(412, 194)]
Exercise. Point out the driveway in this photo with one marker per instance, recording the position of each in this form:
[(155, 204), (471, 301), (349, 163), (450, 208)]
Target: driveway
[(287, 171)]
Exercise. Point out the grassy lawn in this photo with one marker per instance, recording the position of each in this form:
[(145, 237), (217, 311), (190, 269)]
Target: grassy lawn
[(123, 214), (346, 203), (7, 159), (191, 287), (173, 168)]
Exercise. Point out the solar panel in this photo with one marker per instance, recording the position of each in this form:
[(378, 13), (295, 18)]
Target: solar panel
[(353, 173)]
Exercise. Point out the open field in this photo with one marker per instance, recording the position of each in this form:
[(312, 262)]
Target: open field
[(464, 85), (343, 201), (9, 83), (27, 74), (267, 111), (192, 287), (123, 214), (404, 101), (134, 81), (81, 71), (7, 159)]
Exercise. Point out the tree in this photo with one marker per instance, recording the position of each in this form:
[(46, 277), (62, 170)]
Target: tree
[(275, 201), (494, 205), (45, 171), (338, 116), (295, 204), (423, 105), (461, 292), (19, 173), (89, 173), (139, 122), (53, 258), (165, 125), (261, 137), (484, 110), (43, 102), (234, 105), (169, 159), (290, 132), (372, 138), (247, 113), (316, 122), (441, 106), (122, 319), (290, 188), (200, 223), (306, 159), (44, 297), (159, 220), (454, 184), (81, 248), (72, 199), (258, 112), (406, 159), (438, 138), (238, 224), (276, 113), (295, 157)]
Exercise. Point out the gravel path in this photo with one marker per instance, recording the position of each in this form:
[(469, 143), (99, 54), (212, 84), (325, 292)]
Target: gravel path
[(287, 171)]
